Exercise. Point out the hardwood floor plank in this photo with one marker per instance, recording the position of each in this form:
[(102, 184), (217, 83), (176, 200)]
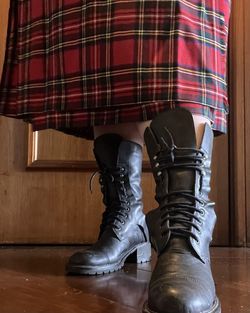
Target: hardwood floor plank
[(32, 280)]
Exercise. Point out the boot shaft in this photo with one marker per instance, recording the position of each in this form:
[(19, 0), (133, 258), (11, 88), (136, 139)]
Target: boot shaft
[(182, 174), (176, 163), (120, 163)]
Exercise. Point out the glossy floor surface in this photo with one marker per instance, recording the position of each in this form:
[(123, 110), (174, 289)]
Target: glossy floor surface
[(32, 280)]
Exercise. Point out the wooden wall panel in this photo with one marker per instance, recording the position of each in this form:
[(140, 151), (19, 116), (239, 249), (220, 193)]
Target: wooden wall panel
[(46, 206)]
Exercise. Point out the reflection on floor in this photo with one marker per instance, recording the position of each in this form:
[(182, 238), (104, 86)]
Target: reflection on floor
[(32, 280)]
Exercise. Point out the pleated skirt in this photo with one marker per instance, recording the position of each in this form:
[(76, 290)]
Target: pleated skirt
[(72, 64)]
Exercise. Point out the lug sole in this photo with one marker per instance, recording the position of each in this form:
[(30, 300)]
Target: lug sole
[(140, 254), (215, 309)]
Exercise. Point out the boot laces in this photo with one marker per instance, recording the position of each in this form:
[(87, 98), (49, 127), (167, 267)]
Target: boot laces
[(118, 206), (178, 215)]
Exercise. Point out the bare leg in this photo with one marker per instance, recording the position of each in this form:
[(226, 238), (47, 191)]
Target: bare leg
[(199, 123), (129, 131), (135, 131)]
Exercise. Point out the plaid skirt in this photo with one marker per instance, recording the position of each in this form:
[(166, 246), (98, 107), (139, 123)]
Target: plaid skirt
[(71, 64)]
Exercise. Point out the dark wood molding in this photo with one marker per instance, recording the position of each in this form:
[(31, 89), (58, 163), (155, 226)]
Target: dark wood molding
[(237, 125), (247, 114)]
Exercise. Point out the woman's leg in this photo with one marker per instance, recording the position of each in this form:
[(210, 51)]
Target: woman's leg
[(135, 131), (128, 131), (199, 123)]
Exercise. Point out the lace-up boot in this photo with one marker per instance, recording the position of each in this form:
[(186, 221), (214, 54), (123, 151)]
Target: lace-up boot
[(123, 231), (181, 227)]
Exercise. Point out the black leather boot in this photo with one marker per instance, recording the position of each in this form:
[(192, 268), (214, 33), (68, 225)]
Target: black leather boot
[(181, 227), (123, 232)]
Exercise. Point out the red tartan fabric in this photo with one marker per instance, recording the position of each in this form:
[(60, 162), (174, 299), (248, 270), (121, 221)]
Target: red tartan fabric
[(73, 64)]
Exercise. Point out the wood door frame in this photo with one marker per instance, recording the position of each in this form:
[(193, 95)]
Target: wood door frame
[(238, 126), (247, 114)]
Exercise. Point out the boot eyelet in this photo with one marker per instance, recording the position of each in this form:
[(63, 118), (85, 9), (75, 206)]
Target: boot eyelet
[(203, 203), (157, 164), (159, 173), (155, 157), (202, 212), (122, 222)]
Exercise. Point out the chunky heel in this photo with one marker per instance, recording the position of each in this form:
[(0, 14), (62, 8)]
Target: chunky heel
[(141, 255)]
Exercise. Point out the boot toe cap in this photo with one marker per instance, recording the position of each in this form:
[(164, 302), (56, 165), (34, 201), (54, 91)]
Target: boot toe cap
[(179, 298), (88, 258)]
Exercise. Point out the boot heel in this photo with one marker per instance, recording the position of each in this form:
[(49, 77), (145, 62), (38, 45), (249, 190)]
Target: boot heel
[(141, 255)]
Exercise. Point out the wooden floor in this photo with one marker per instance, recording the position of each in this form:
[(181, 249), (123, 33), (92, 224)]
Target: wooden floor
[(32, 280)]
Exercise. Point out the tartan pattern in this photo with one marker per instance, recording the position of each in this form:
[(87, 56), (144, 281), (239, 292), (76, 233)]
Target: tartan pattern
[(73, 64)]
